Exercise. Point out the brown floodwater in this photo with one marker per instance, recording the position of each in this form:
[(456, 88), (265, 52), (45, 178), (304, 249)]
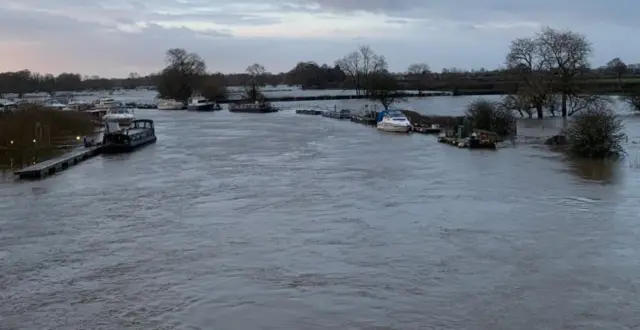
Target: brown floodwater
[(283, 221)]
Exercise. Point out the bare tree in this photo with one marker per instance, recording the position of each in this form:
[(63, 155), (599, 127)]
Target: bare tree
[(384, 87), (182, 75), (418, 73), (519, 102), (566, 54), (255, 79), (579, 102), (618, 67), (528, 62), (360, 65)]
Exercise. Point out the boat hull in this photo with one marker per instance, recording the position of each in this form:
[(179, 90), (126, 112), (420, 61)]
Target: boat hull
[(118, 148), (393, 128), (170, 107), (204, 107), (123, 122), (253, 110)]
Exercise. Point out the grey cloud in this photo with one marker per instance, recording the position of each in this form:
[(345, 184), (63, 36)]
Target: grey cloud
[(88, 35), (549, 11)]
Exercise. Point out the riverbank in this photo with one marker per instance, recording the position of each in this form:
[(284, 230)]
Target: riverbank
[(33, 134), (336, 97), (501, 87)]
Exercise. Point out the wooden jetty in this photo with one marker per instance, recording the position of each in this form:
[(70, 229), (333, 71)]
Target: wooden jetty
[(58, 164)]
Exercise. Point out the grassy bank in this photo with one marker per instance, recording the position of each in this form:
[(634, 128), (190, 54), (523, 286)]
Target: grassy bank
[(49, 128), (34, 134), (498, 87)]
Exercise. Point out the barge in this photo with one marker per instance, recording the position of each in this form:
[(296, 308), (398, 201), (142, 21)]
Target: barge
[(118, 140), (342, 114), (258, 107), (310, 112)]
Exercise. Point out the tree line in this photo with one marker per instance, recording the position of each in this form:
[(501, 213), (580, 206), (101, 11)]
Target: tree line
[(530, 69)]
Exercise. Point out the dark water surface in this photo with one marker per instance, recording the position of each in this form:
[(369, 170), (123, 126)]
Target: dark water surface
[(295, 222)]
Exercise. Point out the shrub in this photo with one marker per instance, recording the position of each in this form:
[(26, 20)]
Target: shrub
[(596, 133), (490, 116), (632, 99)]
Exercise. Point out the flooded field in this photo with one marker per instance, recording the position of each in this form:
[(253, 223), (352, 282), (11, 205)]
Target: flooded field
[(283, 221)]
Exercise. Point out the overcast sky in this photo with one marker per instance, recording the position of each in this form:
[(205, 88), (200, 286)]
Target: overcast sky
[(114, 37)]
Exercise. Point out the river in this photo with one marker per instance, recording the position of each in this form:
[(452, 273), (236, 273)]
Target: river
[(284, 221)]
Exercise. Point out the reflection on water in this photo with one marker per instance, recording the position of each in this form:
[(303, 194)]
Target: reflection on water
[(11, 160), (605, 171)]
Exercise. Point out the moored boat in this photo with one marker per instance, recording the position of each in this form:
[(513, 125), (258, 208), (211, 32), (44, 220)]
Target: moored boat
[(432, 129), (53, 104), (118, 140), (123, 116), (76, 106), (335, 114), (169, 104), (106, 103), (257, 107), (202, 104), (309, 112), (393, 121)]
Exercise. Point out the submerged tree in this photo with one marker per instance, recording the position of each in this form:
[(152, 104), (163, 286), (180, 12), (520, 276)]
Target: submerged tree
[(384, 87), (549, 63), (360, 65), (528, 63), (632, 98), (255, 80), (490, 116), (566, 54), (596, 133), (213, 89), (182, 75)]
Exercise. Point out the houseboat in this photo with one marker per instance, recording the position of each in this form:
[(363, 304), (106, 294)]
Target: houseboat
[(335, 114), (257, 107), (118, 140)]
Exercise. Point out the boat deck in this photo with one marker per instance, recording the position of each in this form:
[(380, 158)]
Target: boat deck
[(58, 164)]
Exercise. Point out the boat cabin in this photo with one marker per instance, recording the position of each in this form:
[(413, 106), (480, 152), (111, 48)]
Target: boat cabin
[(119, 111), (142, 124)]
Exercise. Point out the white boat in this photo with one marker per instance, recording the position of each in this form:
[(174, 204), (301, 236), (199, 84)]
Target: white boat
[(168, 104), (393, 121), (53, 104), (6, 105), (106, 103), (202, 104), (76, 106), (120, 115)]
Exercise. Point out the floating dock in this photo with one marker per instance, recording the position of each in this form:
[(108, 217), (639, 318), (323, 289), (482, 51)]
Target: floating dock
[(58, 164)]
